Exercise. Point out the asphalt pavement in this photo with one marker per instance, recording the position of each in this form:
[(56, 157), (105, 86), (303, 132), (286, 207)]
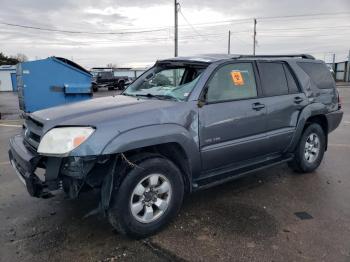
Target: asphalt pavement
[(272, 215)]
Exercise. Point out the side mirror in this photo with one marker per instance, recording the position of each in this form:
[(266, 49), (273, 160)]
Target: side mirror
[(200, 103)]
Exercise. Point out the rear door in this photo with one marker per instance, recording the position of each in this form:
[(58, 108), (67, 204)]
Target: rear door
[(283, 100), (232, 122)]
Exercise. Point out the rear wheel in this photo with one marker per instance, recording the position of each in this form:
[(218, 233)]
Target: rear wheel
[(148, 198), (310, 151), (121, 85)]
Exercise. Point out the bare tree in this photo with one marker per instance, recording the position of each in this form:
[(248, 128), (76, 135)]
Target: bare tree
[(21, 57)]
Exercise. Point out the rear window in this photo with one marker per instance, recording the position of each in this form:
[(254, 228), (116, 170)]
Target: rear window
[(319, 74)]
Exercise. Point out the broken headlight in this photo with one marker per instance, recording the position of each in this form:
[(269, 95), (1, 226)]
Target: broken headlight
[(62, 140)]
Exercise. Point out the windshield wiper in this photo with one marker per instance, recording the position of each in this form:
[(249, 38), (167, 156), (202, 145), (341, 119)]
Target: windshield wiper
[(160, 97)]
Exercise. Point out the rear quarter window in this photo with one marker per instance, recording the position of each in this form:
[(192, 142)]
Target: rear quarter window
[(318, 73), (292, 85)]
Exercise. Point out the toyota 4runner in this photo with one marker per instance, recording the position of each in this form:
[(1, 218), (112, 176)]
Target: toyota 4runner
[(185, 124)]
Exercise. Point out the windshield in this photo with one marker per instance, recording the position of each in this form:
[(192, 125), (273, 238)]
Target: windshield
[(166, 83)]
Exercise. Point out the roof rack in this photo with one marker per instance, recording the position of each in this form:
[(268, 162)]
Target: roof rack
[(304, 56)]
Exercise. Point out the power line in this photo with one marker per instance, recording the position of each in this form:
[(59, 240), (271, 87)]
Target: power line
[(248, 20), (305, 15), (303, 36), (308, 28), (264, 32), (235, 21), (82, 32), (184, 17)]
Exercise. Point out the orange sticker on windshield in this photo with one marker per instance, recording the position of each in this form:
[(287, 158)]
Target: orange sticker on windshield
[(237, 78)]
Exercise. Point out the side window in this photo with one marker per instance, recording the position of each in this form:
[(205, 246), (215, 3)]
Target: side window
[(232, 82), (319, 74), (273, 79), (292, 85)]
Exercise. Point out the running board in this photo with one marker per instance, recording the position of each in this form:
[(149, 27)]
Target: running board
[(228, 175)]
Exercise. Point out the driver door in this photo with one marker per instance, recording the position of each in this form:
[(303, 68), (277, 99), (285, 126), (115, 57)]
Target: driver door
[(233, 120)]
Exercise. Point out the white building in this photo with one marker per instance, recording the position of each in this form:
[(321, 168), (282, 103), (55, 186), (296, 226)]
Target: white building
[(8, 78)]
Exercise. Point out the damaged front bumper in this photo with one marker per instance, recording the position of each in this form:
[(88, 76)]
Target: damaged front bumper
[(68, 173), (25, 162)]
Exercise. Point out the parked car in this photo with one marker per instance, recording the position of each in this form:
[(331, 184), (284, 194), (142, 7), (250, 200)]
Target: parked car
[(186, 124), (108, 79)]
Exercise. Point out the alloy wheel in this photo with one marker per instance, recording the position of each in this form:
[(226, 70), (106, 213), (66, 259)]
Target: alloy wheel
[(150, 198)]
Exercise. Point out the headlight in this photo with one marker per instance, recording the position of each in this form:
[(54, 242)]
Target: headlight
[(62, 140)]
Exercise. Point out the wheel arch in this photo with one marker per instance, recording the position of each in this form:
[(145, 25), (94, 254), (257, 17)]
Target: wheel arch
[(172, 151), (169, 140), (313, 113)]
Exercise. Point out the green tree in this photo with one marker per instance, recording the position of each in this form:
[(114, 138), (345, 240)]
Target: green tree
[(7, 60)]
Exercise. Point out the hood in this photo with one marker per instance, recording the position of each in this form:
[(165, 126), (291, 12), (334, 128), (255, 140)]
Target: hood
[(124, 112), (113, 116)]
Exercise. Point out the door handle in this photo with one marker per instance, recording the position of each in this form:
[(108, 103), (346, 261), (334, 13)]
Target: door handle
[(257, 106), (298, 99)]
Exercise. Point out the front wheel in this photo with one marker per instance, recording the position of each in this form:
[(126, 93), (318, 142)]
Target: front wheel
[(148, 198), (310, 151)]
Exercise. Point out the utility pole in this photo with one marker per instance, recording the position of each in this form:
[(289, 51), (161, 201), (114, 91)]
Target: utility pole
[(254, 37), (176, 27), (333, 63), (348, 69), (229, 42)]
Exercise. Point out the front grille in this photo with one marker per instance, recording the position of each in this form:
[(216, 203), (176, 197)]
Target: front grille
[(35, 137), (32, 132)]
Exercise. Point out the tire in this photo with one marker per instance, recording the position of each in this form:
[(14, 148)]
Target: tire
[(134, 222), (110, 88), (121, 85), (304, 160), (94, 88)]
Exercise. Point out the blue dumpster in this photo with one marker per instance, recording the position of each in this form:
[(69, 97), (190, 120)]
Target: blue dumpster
[(51, 82)]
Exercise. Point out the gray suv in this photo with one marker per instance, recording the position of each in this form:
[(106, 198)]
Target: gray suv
[(186, 124)]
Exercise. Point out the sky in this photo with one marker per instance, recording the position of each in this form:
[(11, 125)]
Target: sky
[(138, 32)]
